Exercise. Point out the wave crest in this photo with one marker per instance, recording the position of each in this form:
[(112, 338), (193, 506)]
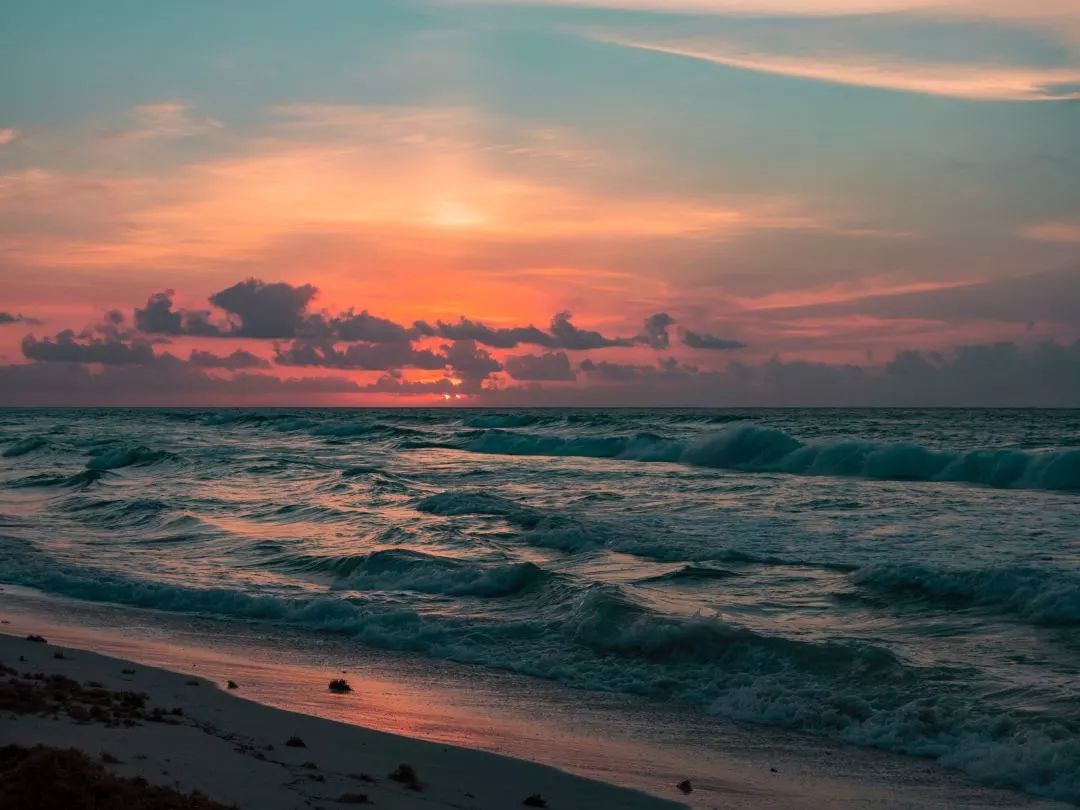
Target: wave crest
[(1033, 594), (752, 448)]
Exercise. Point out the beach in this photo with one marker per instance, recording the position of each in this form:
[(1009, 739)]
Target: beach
[(221, 743), (540, 403), (252, 756)]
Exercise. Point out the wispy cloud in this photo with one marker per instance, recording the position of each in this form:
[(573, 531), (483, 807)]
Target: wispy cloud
[(1063, 231), (393, 174), (979, 82), (8, 135), (1042, 13), (166, 120)]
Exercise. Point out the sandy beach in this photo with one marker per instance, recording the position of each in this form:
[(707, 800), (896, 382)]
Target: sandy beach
[(221, 743), (193, 735)]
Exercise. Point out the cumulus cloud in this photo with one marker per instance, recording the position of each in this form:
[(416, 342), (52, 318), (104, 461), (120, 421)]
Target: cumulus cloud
[(471, 364), (259, 309), (239, 359), (563, 334), (369, 356), (540, 367), (497, 338), (67, 347), (701, 340), (664, 371), (568, 336), (367, 327), (159, 318), (266, 309), (655, 332)]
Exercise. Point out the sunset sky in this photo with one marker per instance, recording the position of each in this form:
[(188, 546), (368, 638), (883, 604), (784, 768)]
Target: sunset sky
[(617, 202)]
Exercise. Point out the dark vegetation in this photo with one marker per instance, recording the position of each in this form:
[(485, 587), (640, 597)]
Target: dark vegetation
[(42, 778), (340, 686), (406, 775), (48, 695), (535, 800)]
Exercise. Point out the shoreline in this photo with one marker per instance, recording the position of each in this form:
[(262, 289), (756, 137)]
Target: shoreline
[(595, 736), (243, 753)]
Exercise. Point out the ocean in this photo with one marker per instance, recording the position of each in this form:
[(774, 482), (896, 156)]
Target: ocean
[(900, 579)]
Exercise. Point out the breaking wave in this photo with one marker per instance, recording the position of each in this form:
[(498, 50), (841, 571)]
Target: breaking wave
[(23, 446), (405, 569), (937, 620), (599, 638), (1036, 595), (117, 457), (752, 448)]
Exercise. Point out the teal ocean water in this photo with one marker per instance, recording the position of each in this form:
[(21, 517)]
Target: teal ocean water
[(902, 579)]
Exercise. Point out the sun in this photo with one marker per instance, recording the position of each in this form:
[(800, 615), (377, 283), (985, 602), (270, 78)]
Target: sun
[(455, 214)]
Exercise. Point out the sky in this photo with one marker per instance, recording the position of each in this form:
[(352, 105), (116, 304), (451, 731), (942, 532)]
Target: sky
[(540, 202)]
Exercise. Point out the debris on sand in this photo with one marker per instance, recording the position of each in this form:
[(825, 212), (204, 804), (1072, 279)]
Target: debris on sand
[(406, 775)]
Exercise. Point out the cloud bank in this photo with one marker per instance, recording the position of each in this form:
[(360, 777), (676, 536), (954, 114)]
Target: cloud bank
[(360, 354)]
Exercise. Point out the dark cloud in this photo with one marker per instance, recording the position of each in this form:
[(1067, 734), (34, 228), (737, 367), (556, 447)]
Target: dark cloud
[(261, 310), (67, 347), (465, 329), (391, 384), (992, 375), (169, 382), (665, 370), (700, 340), (239, 359), (655, 332), (7, 317), (568, 336), (257, 309), (369, 356), (159, 318), (562, 335), (366, 327), (539, 367), (999, 374), (266, 310), (471, 364)]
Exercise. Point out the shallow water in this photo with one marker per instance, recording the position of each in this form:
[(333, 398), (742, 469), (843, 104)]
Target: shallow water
[(893, 578)]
